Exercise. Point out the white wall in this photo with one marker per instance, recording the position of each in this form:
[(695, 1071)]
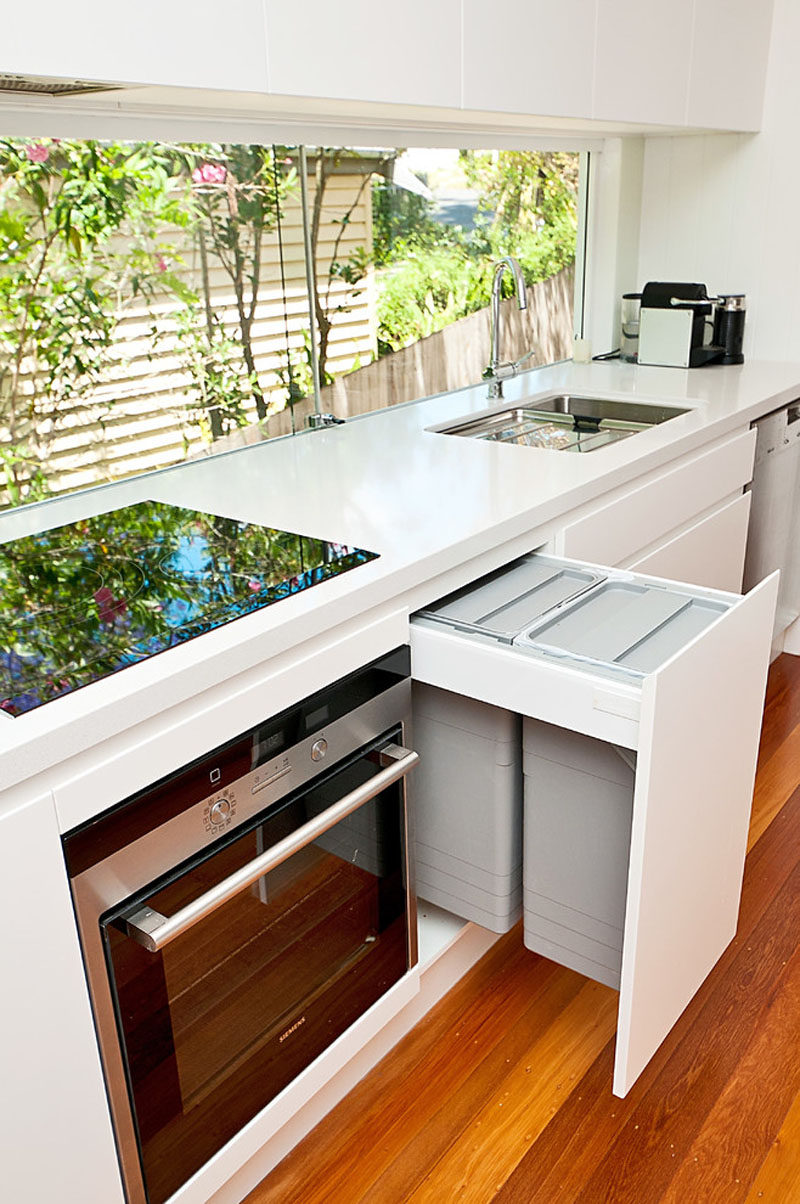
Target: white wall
[(723, 208)]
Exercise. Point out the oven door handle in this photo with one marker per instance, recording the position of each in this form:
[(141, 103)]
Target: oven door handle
[(153, 930)]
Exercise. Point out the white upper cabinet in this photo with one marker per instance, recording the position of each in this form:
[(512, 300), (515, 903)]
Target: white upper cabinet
[(689, 63), (729, 64), (188, 43), (642, 62), (536, 57), (359, 50)]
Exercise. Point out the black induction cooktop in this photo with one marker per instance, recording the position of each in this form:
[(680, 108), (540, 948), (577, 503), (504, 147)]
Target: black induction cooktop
[(82, 601)]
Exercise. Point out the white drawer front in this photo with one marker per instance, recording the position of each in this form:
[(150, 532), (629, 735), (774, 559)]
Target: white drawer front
[(615, 532), (710, 552)]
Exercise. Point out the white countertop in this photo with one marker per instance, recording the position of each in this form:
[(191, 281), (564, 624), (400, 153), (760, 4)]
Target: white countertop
[(426, 502)]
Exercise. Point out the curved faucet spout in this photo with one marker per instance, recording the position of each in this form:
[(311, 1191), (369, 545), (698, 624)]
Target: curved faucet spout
[(495, 365)]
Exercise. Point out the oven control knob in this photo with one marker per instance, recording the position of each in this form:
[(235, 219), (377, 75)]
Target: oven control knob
[(319, 748), (221, 811)]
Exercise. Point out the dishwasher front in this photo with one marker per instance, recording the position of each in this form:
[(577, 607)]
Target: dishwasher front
[(774, 531)]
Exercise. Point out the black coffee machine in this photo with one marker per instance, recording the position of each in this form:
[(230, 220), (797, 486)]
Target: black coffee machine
[(681, 326), (729, 315)]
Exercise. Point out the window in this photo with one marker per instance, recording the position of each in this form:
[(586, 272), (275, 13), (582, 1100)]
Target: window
[(165, 301)]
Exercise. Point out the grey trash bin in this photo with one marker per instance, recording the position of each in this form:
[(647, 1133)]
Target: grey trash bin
[(468, 793), (577, 830)]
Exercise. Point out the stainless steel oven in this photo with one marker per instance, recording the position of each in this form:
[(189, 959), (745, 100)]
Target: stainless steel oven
[(238, 916)]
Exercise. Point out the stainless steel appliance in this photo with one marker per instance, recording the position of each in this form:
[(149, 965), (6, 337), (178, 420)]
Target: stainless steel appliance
[(773, 534), (238, 916)]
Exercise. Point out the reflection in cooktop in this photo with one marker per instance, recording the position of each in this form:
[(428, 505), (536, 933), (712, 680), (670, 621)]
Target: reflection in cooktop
[(82, 601)]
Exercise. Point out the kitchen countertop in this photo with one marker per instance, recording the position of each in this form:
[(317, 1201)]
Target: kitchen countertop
[(429, 504)]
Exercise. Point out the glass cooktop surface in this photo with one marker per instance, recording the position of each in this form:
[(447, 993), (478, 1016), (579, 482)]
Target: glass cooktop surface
[(82, 601)]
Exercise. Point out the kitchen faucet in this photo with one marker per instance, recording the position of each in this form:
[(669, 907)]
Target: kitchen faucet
[(496, 371)]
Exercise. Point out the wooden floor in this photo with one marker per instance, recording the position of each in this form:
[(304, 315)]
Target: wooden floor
[(503, 1092)]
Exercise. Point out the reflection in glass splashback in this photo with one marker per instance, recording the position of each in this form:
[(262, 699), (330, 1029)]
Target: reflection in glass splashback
[(82, 601)]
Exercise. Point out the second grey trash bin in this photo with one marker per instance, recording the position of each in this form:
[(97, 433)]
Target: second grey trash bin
[(468, 794), (577, 832)]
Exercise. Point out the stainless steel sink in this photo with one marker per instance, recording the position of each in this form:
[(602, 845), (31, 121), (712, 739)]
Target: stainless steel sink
[(564, 422)]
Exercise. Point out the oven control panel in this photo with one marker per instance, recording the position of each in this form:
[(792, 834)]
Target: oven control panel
[(273, 771), (219, 811)]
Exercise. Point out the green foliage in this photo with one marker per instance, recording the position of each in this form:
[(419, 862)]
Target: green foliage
[(427, 292), (61, 282), (81, 232), (521, 191), (237, 194), (222, 387), (434, 274), (402, 223), (295, 374), (328, 267)]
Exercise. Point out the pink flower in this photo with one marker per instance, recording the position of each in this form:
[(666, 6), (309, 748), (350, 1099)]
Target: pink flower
[(209, 173), (161, 263), (37, 152), (108, 607)]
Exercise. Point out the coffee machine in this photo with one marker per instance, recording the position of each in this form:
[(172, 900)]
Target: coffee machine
[(680, 326)]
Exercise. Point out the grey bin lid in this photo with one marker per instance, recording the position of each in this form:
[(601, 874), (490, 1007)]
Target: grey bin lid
[(635, 626), (508, 601)]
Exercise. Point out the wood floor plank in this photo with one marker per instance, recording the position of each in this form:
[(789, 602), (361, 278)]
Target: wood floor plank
[(523, 1101), (778, 1180), (782, 705), (775, 783), (779, 750), (593, 1121), (457, 1109), (557, 1163), (711, 1040), (736, 1137)]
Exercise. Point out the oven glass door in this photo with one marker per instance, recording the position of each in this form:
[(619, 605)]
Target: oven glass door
[(215, 1024)]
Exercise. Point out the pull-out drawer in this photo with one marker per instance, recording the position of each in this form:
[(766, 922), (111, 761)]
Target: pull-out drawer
[(677, 674)]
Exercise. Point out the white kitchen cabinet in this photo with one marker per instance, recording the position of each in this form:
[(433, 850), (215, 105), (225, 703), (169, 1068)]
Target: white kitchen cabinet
[(189, 43), (729, 64), (702, 65), (531, 58), (642, 64), (688, 64), (353, 51), (709, 552), (676, 674), (641, 521), (56, 1141)]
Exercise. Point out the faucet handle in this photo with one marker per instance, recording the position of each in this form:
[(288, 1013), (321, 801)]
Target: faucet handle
[(503, 371), (506, 369)]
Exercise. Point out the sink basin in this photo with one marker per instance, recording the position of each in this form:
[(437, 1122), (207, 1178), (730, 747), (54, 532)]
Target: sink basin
[(564, 422)]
